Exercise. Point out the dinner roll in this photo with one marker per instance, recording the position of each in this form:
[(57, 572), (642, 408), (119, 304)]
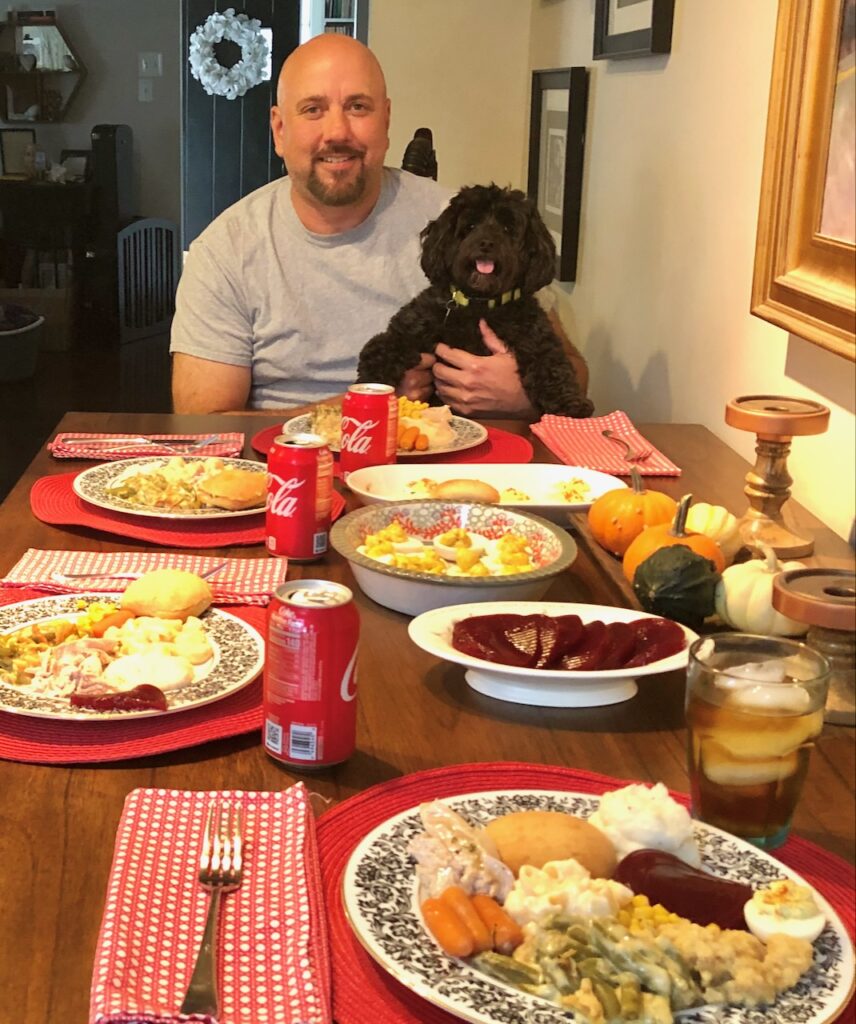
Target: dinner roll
[(537, 837), (233, 489), (466, 490), (168, 594)]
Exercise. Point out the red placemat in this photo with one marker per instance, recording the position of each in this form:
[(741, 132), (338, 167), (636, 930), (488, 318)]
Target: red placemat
[(53, 501), (364, 991), (46, 741), (499, 446)]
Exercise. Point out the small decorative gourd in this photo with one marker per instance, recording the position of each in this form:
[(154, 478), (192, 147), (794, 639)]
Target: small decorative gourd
[(719, 524), (678, 584), (618, 517), (744, 597), (666, 534)]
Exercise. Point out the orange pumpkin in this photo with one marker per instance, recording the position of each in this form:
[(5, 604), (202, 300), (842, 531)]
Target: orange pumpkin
[(618, 517), (656, 537)]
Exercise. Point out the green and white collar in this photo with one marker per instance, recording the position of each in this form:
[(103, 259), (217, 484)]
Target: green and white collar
[(460, 299)]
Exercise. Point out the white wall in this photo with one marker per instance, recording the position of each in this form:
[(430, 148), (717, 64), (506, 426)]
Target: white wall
[(108, 35), (670, 200), (460, 68), (670, 206)]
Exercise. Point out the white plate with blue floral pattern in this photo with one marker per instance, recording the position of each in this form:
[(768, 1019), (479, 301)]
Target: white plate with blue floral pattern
[(382, 905), (239, 652)]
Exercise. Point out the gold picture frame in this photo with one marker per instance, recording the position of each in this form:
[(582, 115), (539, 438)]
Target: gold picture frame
[(805, 280)]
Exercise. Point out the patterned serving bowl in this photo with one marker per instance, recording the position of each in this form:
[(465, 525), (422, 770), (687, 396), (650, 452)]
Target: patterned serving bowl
[(413, 592)]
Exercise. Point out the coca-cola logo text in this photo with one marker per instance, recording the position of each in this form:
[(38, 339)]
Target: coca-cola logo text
[(283, 500), (356, 434), (348, 685)]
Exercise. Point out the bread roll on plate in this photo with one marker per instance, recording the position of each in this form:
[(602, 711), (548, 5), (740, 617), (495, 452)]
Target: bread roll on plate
[(537, 837), (466, 490), (168, 594), (234, 489)]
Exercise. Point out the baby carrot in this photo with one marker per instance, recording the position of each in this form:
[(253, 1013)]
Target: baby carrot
[(117, 618), (503, 929), (421, 443), (455, 898), (408, 439), (447, 928)]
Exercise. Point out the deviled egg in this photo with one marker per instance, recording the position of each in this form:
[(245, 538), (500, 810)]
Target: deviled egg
[(785, 908)]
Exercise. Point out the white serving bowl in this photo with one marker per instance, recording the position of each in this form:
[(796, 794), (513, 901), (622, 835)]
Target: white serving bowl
[(432, 631), (540, 481), (413, 592)]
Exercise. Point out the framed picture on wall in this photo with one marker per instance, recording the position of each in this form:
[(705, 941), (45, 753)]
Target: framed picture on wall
[(805, 251), (556, 140), (632, 28), (13, 151)]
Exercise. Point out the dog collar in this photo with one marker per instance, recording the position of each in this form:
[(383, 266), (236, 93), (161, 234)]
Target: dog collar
[(460, 299)]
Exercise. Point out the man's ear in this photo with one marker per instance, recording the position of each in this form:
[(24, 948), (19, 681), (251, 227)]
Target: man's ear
[(277, 130)]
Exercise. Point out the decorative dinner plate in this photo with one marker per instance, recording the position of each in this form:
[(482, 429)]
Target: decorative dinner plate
[(91, 485), (468, 434), (382, 904), (535, 487), (555, 688), (238, 658)]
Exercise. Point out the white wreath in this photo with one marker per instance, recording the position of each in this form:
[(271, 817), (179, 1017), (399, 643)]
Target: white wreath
[(232, 82)]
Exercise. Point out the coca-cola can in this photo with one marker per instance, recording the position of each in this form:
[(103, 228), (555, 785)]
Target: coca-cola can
[(369, 427), (310, 676), (299, 497)]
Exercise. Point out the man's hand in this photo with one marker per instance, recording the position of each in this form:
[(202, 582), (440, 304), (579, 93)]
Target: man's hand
[(417, 384), (474, 385)]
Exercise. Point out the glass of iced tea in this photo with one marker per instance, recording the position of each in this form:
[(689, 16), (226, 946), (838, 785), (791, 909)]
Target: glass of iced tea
[(754, 708)]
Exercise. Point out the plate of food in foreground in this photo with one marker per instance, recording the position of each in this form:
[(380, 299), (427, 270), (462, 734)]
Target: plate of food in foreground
[(176, 487), (553, 654), (105, 657), (549, 907), (545, 490), (422, 429)]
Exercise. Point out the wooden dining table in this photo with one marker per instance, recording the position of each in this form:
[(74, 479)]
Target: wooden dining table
[(58, 822)]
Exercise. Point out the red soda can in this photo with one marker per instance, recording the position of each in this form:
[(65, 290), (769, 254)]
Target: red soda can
[(369, 427), (310, 676), (299, 497)]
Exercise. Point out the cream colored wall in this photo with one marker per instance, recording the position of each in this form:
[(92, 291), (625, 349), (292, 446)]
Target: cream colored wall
[(460, 68), (672, 179), (670, 198)]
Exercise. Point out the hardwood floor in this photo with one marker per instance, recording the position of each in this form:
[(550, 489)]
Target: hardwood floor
[(127, 378)]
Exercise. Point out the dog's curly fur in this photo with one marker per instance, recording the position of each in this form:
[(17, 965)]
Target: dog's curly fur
[(483, 223)]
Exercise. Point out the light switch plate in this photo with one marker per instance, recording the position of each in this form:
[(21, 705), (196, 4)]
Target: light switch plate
[(145, 90), (150, 65)]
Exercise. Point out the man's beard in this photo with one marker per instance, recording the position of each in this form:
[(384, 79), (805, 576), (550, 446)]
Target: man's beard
[(338, 193)]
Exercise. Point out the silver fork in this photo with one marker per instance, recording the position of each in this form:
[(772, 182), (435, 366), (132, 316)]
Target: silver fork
[(68, 577), (177, 447), (221, 870), (630, 454)]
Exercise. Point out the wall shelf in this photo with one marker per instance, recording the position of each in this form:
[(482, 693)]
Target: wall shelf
[(40, 74)]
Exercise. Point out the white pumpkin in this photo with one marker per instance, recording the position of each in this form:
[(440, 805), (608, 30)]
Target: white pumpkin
[(719, 524), (744, 597)]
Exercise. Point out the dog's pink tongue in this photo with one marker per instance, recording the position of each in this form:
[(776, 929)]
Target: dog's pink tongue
[(484, 266)]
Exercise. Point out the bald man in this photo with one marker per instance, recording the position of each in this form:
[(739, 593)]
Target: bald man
[(281, 291)]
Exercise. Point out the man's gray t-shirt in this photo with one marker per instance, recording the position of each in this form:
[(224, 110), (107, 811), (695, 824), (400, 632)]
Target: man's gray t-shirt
[(259, 290)]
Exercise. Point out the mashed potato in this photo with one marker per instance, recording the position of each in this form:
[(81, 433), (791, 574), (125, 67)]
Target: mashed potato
[(641, 817)]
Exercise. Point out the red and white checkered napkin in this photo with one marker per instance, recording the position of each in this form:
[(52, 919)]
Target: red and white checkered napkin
[(581, 443), (240, 581), (229, 444), (274, 965)]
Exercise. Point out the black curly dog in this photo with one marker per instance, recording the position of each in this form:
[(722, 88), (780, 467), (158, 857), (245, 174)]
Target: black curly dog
[(486, 255)]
